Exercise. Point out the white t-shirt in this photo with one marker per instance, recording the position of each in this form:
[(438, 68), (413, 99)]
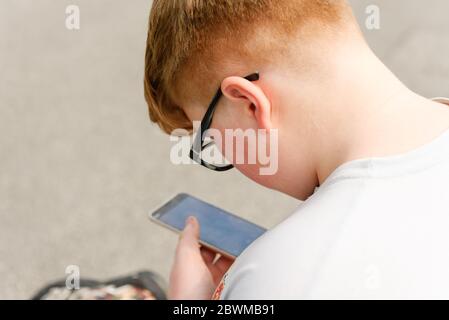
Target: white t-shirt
[(376, 229)]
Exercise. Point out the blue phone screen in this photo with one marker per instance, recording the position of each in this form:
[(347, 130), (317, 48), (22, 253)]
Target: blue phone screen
[(218, 228)]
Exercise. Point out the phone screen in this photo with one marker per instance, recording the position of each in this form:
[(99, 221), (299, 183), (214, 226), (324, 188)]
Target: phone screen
[(218, 228)]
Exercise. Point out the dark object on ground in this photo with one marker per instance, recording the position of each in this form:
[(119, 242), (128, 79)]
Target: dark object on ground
[(143, 284)]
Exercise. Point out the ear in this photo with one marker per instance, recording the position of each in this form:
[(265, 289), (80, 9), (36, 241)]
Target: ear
[(244, 92)]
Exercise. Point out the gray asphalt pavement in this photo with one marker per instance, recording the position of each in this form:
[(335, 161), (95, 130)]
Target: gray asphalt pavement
[(80, 163)]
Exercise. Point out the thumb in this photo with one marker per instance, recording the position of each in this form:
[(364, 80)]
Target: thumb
[(191, 233)]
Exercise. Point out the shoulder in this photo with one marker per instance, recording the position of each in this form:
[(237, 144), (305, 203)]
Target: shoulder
[(282, 262)]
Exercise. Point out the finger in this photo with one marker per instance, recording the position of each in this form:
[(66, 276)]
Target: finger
[(189, 238), (224, 263), (215, 253), (218, 270), (191, 232), (208, 255), (219, 261), (217, 264)]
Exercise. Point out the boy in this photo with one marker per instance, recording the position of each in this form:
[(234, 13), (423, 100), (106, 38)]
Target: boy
[(377, 225)]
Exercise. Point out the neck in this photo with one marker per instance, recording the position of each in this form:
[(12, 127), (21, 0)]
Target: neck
[(372, 115)]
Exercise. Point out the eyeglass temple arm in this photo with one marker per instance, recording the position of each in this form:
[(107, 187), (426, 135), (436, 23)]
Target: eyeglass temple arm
[(207, 119)]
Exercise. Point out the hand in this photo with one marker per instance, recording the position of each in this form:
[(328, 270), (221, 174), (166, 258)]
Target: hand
[(195, 275)]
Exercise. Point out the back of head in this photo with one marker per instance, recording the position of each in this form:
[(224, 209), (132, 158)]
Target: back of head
[(193, 44)]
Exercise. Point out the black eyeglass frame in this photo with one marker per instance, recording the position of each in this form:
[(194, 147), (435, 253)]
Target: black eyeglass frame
[(198, 145)]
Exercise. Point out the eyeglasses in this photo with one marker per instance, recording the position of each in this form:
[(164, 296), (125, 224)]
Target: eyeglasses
[(199, 144)]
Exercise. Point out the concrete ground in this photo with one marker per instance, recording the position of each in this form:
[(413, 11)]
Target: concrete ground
[(81, 165)]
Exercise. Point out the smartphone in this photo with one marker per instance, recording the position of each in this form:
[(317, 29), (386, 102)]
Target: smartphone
[(220, 231)]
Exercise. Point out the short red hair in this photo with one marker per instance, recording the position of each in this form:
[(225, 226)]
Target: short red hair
[(187, 40)]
